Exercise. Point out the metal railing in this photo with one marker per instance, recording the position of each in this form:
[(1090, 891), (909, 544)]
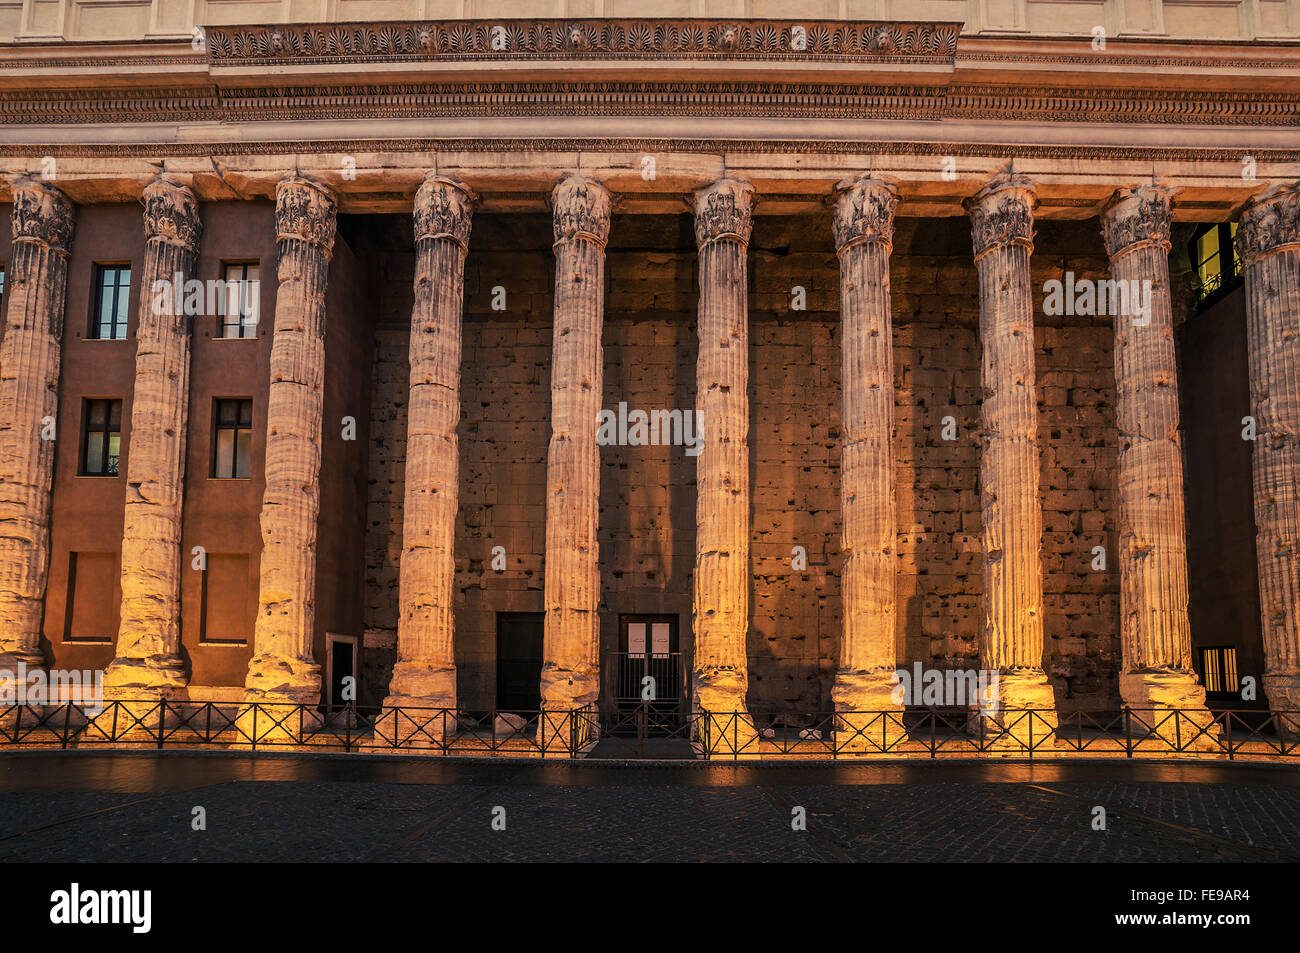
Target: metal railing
[(922, 733), (936, 733), (267, 726)]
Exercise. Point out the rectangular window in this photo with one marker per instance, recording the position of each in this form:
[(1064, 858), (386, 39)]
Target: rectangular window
[(101, 437), (239, 301), (1219, 668), (232, 439), (112, 294)]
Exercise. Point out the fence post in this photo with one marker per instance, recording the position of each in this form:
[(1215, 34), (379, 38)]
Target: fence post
[(67, 717), (162, 719), (1128, 731)]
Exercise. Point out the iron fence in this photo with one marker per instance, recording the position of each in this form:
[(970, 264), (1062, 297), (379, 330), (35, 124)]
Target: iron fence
[(918, 733), (267, 726)]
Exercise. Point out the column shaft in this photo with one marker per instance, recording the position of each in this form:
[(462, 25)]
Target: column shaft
[(148, 661), (425, 673), (864, 228), (570, 671), (35, 292), (722, 574), (282, 668), (1269, 244), (1011, 643), (1154, 632)]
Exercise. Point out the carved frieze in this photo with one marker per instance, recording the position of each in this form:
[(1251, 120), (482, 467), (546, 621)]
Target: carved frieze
[(42, 213), (444, 208), (864, 212), (635, 38), (1270, 221)]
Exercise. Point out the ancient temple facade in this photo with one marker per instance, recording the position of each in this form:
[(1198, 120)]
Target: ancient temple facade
[(484, 356)]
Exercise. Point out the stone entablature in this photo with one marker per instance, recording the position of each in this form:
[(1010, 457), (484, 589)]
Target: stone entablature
[(29, 20)]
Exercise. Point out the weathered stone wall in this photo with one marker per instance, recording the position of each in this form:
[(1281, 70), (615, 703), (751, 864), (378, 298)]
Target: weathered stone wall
[(647, 531)]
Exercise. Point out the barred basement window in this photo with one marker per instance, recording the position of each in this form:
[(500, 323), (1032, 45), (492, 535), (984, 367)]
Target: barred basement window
[(112, 293), (232, 438), (239, 303), (101, 437), (1220, 667)]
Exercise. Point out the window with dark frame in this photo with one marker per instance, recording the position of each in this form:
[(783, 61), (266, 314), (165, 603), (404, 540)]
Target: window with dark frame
[(232, 439), (1213, 250), (112, 295), (101, 436), (1219, 669), (239, 303)]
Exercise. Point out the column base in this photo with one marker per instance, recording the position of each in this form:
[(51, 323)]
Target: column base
[(285, 691), (1168, 710), (1283, 693), (569, 717), (410, 722), (868, 718), (724, 725), (1020, 715)]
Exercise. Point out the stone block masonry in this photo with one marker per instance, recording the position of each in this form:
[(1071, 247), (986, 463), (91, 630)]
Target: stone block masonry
[(647, 494)]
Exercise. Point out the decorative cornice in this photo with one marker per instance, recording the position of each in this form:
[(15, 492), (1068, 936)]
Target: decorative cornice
[(24, 151), (812, 99), (305, 211), (444, 208), (1002, 214), (724, 209), (171, 214), (581, 209), (864, 212), (573, 38), (42, 215), (1271, 221), (1136, 217)]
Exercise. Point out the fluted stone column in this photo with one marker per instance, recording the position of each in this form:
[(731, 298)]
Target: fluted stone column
[(283, 669), (1011, 643), (425, 673), (864, 231), (1155, 635), (148, 663), (1268, 240), (571, 668), (35, 292), (722, 574)]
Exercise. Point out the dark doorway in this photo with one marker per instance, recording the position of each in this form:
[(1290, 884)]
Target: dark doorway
[(342, 667), (519, 660), (646, 677)]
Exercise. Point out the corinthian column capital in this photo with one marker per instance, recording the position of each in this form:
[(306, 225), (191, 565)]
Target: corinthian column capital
[(864, 212), (42, 214), (1135, 217), (724, 210), (581, 209), (305, 211), (444, 208), (1270, 221), (1002, 214), (171, 214)]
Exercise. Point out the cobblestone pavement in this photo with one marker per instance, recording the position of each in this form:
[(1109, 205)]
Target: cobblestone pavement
[(140, 808)]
